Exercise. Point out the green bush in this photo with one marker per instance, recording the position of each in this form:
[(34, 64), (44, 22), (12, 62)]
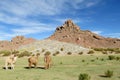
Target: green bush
[(15, 52), (69, 53), (56, 53), (80, 53), (43, 50), (102, 59), (91, 52), (47, 53), (84, 76), (92, 60), (83, 60), (25, 53), (5, 53), (98, 49), (108, 73), (117, 58), (104, 52), (61, 49), (111, 57)]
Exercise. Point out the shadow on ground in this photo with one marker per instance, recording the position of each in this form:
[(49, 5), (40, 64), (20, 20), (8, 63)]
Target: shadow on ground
[(40, 67)]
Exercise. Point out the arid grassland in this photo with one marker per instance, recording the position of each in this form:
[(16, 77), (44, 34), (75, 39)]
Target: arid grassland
[(65, 68)]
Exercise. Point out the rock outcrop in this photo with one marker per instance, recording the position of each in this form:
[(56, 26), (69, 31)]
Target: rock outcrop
[(15, 43), (71, 33)]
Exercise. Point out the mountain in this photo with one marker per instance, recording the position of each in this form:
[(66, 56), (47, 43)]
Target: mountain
[(71, 33), (15, 43)]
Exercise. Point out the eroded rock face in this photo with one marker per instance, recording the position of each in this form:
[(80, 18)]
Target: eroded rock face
[(69, 32), (15, 43)]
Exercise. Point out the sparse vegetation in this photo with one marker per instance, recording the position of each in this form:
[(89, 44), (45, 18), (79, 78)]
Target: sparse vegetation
[(91, 52), (5, 53), (83, 60), (24, 53), (56, 53), (80, 53), (108, 73), (69, 53), (69, 67), (109, 50), (61, 49), (43, 50), (84, 76), (104, 52), (111, 57), (47, 53)]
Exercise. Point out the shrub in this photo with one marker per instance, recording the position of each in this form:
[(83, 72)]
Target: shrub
[(108, 73), (43, 50), (104, 52), (83, 60), (15, 52), (54, 54), (91, 52), (48, 53), (97, 58), (69, 53), (57, 52), (61, 62), (92, 60), (61, 49), (80, 53), (25, 53), (117, 58), (102, 59), (111, 57), (84, 76), (98, 49), (6, 53)]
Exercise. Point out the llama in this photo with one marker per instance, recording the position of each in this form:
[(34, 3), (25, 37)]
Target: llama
[(47, 60), (33, 60), (11, 60)]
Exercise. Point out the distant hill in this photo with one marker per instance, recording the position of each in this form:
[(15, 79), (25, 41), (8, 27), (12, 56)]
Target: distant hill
[(15, 43), (53, 46), (71, 33)]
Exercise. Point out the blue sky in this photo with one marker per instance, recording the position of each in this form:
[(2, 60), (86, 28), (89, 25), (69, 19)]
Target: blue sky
[(39, 18)]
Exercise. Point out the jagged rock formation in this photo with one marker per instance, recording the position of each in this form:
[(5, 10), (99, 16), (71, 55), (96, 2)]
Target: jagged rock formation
[(71, 33), (15, 43)]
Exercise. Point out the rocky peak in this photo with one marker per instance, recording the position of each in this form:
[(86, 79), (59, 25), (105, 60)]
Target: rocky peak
[(68, 25), (71, 33)]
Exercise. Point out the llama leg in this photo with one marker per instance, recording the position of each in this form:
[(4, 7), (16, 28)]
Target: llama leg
[(6, 66), (30, 65), (12, 66)]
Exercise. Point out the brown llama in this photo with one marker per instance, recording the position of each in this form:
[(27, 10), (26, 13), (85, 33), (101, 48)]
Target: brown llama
[(33, 60), (47, 60)]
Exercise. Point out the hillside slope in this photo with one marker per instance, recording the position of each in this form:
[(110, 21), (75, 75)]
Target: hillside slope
[(42, 46)]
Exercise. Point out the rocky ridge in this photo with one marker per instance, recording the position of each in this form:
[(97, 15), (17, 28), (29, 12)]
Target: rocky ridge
[(71, 33), (15, 43)]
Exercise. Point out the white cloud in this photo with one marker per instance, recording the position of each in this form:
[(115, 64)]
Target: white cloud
[(97, 32), (31, 30), (18, 21), (113, 35), (43, 7)]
